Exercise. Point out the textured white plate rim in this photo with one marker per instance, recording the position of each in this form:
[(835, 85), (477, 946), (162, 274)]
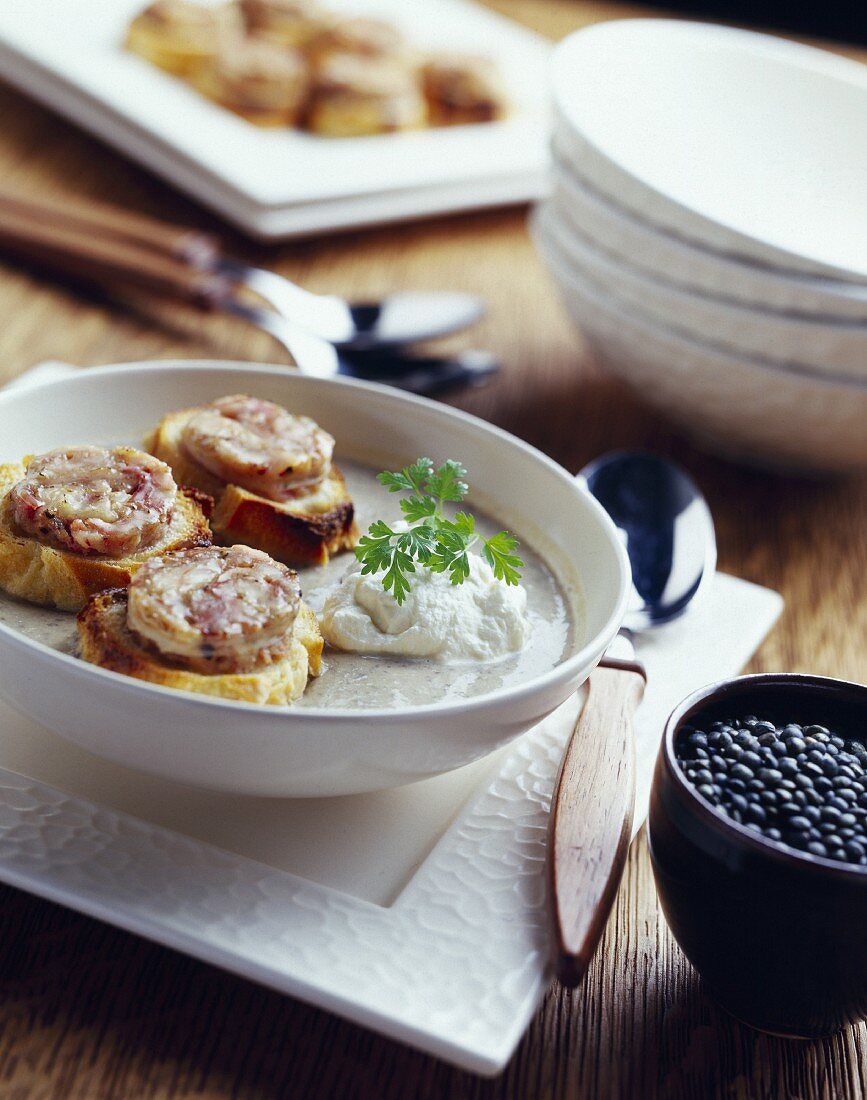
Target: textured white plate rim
[(344, 716), (264, 946), (553, 256), (808, 58)]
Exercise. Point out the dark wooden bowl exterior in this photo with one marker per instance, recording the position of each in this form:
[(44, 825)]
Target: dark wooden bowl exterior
[(779, 938)]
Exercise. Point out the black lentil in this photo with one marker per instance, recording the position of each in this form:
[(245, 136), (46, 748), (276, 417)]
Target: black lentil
[(800, 786)]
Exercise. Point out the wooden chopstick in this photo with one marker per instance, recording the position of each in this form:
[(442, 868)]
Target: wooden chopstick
[(105, 259), (180, 243)]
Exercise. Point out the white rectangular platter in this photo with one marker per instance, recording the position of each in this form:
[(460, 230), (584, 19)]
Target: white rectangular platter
[(277, 183), (419, 912)]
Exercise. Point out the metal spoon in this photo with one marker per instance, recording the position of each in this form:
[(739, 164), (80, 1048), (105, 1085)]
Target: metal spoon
[(409, 317), (320, 359), (666, 526), (668, 531)]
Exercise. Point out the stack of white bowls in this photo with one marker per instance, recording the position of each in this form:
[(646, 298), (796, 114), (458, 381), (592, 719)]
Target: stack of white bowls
[(707, 228)]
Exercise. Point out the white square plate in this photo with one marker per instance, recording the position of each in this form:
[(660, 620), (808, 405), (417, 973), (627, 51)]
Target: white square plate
[(68, 55)]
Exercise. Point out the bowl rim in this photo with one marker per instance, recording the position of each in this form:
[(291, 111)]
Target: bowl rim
[(737, 308), (565, 670), (577, 283), (755, 841), (566, 176), (801, 56)]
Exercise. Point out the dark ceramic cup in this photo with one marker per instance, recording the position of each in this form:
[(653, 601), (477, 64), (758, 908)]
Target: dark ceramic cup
[(779, 936)]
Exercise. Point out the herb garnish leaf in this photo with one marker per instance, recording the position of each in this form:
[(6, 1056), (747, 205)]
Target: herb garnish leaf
[(416, 508), (447, 482), (410, 479), (435, 542), (498, 553)]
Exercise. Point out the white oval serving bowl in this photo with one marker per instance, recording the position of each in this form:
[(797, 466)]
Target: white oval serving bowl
[(703, 130), (301, 752), (742, 408), (823, 347), (670, 259)]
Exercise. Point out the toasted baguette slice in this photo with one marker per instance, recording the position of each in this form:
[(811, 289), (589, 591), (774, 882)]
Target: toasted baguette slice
[(306, 530), (106, 640), (179, 45), (60, 578)]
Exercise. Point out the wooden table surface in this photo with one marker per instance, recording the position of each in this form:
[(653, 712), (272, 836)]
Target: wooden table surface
[(88, 1011)]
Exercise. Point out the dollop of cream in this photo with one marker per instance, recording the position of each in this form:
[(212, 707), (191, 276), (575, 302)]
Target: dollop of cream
[(482, 619)]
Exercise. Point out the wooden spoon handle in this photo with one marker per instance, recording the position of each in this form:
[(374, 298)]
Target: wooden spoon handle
[(591, 816), (181, 243), (105, 260)]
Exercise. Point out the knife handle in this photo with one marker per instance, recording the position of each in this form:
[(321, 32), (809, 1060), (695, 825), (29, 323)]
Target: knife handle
[(94, 219), (591, 816), (108, 261)]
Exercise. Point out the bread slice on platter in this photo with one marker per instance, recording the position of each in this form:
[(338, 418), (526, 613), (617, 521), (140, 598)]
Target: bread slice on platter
[(305, 530), (106, 640), (60, 578), (181, 36)]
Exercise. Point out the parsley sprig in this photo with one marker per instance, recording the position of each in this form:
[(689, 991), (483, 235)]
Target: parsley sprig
[(432, 541)]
